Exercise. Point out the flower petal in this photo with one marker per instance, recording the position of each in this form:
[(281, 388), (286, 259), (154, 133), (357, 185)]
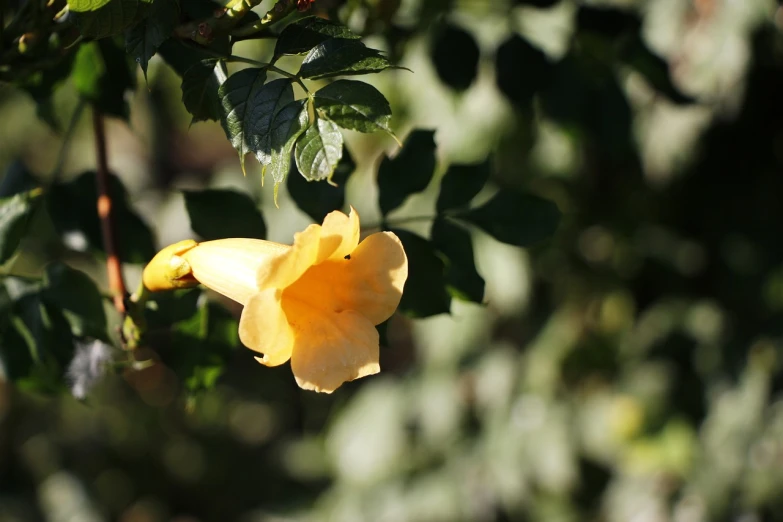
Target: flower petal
[(339, 235), (330, 348), (288, 266), (229, 266), (369, 282), (264, 328)]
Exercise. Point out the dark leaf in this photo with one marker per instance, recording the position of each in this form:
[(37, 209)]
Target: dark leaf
[(609, 22), (287, 125), (171, 307), (318, 199), (249, 106), (102, 73), (455, 55), (340, 57), (217, 214), (304, 34), (354, 105), (407, 173), (15, 213), (17, 179), (101, 18), (425, 292), (515, 218), (319, 150), (200, 85), (460, 185), (462, 279), (521, 70), (42, 84), (537, 3), (72, 208), (77, 296), (143, 39)]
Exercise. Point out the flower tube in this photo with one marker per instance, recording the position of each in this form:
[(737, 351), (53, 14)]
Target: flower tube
[(315, 303)]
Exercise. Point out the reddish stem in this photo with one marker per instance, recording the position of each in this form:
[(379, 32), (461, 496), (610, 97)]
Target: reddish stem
[(113, 266)]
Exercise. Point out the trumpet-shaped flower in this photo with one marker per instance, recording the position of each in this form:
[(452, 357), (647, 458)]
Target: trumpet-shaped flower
[(315, 303)]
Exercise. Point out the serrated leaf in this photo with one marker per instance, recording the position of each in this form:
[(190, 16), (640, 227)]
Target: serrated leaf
[(200, 85), (340, 57), (354, 105), (515, 218), (101, 74), (460, 184), (217, 214), (78, 297), (455, 55), (318, 199), (72, 208), (143, 39), (15, 214), (319, 150), (408, 172), (101, 18), (425, 292), (462, 279), (304, 34), (288, 124), (249, 105)]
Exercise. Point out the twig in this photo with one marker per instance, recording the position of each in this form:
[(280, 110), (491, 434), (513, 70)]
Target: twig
[(113, 267)]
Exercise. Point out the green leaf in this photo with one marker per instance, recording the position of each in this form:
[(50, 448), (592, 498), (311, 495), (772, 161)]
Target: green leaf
[(15, 213), (340, 57), (319, 150), (101, 18), (462, 279), (78, 297), (425, 292), (515, 218), (249, 106), (201, 76), (407, 173), (521, 70), (287, 125), (43, 83), (72, 208), (200, 346), (318, 199), (102, 74), (200, 85), (304, 34), (143, 39), (354, 105), (168, 308), (460, 185), (217, 214), (17, 179)]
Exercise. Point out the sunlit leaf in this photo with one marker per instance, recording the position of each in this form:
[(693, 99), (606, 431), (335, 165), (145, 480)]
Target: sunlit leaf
[(319, 150), (354, 105), (341, 57), (318, 199), (287, 125)]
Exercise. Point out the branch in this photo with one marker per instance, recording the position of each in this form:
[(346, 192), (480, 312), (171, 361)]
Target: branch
[(113, 266)]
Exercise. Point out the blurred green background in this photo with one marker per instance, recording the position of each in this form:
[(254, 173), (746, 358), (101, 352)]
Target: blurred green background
[(626, 370)]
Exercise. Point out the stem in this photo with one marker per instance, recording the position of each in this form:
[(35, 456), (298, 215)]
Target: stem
[(113, 266)]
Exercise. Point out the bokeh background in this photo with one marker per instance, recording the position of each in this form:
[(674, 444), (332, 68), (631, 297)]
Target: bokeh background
[(628, 369)]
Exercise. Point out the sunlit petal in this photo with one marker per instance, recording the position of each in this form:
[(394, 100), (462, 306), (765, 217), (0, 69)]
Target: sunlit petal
[(339, 235), (264, 328), (285, 268), (331, 348)]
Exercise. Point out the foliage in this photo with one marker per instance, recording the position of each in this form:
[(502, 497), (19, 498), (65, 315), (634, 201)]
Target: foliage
[(588, 200)]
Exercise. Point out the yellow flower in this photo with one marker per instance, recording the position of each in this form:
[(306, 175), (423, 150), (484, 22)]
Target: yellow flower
[(315, 303)]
